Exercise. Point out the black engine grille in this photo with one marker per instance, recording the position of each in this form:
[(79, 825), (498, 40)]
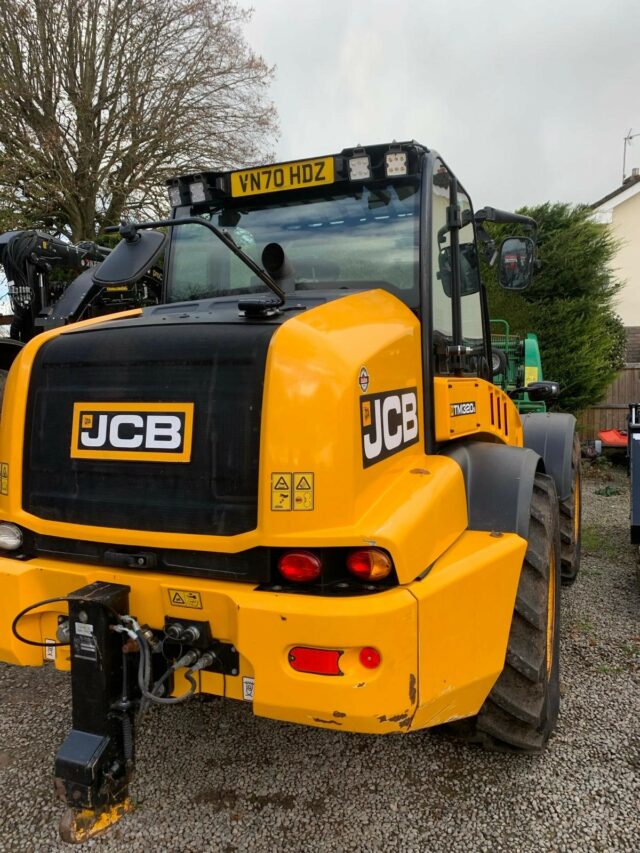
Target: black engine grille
[(218, 367)]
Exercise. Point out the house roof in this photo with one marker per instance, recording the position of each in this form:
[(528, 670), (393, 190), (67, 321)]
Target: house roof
[(632, 349), (630, 187)]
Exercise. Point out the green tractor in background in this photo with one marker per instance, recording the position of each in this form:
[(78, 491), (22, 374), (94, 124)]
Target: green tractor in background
[(516, 364)]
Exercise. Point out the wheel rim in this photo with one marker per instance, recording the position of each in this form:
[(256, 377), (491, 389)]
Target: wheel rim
[(551, 609)]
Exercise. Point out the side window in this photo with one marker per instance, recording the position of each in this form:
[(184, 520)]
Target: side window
[(441, 253), (471, 303), (441, 280)]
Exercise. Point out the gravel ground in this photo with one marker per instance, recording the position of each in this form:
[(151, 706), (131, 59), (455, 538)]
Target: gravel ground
[(252, 784)]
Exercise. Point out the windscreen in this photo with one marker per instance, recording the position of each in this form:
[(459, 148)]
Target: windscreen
[(357, 240)]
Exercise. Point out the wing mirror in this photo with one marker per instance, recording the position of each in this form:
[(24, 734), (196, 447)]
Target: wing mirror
[(516, 266), (131, 258)]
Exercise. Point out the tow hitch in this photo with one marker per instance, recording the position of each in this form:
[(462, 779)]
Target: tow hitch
[(118, 668), (94, 765)]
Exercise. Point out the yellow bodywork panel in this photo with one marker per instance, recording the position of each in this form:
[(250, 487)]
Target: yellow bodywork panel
[(467, 406), (465, 608), (411, 505), (342, 463), (442, 639)]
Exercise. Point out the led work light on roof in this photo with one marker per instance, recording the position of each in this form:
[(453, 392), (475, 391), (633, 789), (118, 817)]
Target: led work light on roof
[(395, 163), (175, 196), (360, 167), (197, 192)]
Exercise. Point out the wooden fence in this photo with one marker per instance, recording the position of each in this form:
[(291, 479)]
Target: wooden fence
[(611, 413)]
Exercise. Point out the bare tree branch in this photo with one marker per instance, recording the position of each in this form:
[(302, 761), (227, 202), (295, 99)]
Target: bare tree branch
[(102, 100)]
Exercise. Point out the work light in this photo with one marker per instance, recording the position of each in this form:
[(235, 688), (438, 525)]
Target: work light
[(360, 167), (175, 196), (395, 163), (197, 191)]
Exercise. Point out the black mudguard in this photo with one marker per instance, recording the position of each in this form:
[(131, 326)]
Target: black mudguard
[(551, 436), (9, 349), (499, 483)]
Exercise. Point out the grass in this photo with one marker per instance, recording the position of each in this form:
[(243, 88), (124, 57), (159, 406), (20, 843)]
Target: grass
[(584, 625), (609, 669), (596, 541), (608, 491)]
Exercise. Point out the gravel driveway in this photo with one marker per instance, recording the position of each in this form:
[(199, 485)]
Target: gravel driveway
[(252, 784)]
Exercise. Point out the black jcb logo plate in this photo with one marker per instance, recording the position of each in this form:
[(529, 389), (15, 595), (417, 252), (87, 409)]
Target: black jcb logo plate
[(149, 432)]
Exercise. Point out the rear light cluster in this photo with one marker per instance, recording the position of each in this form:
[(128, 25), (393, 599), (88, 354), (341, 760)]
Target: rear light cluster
[(365, 564), (317, 661), (300, 567)]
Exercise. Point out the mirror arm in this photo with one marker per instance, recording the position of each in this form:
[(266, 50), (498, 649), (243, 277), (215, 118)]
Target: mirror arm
[(504, 217), (129, 231), (488, 244)]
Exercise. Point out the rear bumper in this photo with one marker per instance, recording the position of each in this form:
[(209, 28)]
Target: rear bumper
[(442, 640), (263, 626)]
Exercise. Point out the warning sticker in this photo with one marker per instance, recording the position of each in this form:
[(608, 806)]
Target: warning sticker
[(292, 490), (248, 684), (4, 478), (185, 598), (303, 491), (281, 491)]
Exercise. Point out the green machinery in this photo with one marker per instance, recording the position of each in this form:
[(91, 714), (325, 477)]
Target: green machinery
[(516, 363)]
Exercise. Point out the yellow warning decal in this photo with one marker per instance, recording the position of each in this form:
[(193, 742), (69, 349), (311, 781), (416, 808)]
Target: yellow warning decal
[(292, 490), (303, 491), (4, 478), (281, 491), (185, 598)]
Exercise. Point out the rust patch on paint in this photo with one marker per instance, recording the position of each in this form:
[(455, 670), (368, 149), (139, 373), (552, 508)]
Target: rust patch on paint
[(412, 689), (339, 714), (403, 720)]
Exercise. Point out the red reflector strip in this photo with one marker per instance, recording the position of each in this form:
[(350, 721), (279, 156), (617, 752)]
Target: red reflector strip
[(315, 661)]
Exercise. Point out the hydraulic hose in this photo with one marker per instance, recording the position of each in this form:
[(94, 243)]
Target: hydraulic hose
[(144, 673)]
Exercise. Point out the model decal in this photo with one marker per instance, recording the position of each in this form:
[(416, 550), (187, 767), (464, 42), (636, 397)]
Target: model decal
[(458, 409)]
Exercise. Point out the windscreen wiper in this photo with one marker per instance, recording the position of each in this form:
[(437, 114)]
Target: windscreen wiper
[(127, 231)]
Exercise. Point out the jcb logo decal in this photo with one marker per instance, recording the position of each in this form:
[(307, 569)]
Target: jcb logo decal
[(146, 432), (389, 423)]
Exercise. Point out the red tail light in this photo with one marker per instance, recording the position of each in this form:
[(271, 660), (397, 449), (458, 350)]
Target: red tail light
[(369, 564), (300, 566), (315, 661), (370, 657)]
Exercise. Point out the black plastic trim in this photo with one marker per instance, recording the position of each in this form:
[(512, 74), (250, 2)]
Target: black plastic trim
[(426, 314), (551, 436), (499, 484)]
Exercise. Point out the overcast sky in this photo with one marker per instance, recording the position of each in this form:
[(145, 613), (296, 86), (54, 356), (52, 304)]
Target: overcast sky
[(526, 101)]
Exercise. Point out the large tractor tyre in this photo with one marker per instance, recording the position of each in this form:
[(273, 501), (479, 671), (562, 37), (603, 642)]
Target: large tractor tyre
[(571, 521), (521, 710)]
